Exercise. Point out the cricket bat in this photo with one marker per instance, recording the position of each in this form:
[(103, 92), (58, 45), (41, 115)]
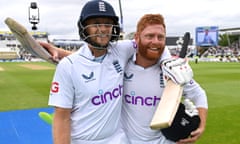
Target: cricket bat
[(27, 40), (171, 97)]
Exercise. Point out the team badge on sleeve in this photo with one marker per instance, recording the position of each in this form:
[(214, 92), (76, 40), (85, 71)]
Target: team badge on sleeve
[(55, 87)]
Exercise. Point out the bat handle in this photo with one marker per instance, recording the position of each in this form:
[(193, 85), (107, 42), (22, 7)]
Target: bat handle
[(186, 40)]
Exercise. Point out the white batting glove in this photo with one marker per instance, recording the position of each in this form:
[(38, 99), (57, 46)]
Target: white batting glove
[(190, 108), (178, 70)]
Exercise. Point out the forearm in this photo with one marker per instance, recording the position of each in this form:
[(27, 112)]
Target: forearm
[(61, 128), (203, 116), (63, 53)]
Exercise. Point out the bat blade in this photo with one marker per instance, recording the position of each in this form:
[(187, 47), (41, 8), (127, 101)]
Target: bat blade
[(167, 107), (27, 41), (171, 97)]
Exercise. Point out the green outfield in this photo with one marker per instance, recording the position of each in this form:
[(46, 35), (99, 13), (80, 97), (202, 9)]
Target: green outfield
[(26, 85), (222, 84)]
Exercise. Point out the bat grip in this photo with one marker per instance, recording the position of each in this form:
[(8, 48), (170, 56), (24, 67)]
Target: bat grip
[(186, 40)]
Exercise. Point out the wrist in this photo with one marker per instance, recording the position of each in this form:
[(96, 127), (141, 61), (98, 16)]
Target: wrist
[(62, 53)]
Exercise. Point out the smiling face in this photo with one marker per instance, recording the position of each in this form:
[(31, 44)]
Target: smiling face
[(151, 42), (99, 30), (150, 38)]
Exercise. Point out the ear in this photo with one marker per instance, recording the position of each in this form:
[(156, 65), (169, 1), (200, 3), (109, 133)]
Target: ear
[(136, 37)]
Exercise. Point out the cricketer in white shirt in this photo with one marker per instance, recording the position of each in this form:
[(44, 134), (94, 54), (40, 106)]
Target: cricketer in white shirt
[(93, 89), (142, 92)]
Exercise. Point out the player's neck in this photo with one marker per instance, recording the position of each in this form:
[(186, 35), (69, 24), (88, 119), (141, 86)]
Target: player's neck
[(142, 61), (98, 52)]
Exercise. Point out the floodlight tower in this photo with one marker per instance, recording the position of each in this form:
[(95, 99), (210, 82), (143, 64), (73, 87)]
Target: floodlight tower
[(33, 15)]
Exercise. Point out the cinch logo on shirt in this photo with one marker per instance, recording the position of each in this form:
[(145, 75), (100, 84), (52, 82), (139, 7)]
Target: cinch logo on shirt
[(141, 100), (104, 97), (55, 87)]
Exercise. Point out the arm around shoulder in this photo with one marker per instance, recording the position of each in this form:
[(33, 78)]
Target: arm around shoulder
[(56, 53)]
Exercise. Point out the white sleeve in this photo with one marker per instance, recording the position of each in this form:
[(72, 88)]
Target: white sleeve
[(130, 47), (62, 92), (196, 93), (124, 49)]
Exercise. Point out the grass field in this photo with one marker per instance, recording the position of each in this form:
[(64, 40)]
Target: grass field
[(24, 85), (222, 84), (23, 88)]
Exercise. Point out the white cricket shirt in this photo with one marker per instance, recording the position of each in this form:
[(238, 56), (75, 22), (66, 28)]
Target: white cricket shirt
[(93, 91), (143, 88)]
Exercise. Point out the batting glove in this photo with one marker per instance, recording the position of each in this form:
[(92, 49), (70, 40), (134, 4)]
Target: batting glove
[(190, 108), (178, 70)]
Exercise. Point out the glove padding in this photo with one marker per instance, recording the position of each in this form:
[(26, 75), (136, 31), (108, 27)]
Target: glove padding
[(178, 70)]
